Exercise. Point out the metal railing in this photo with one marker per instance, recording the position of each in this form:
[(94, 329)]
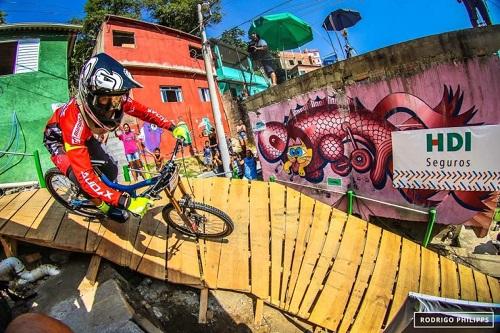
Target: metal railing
[(350, 195), (38, 165)]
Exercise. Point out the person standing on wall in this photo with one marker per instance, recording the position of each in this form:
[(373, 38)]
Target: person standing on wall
[(259, 52), (472, 6)]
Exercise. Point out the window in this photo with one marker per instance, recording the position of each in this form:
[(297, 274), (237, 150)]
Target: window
[(171, 94), (291, 62), (195, 52), (299, 62), (204, 94), (19, 56), (123, 39)]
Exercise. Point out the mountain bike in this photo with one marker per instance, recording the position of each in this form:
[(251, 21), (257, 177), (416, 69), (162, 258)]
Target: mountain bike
[(185, 215)]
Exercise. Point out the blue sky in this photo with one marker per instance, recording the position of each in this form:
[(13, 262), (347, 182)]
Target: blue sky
[(384, 22)]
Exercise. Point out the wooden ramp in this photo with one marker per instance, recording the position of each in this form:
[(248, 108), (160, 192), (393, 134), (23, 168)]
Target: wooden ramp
[(288, 250)]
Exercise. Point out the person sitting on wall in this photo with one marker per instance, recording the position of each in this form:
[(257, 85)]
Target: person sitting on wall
[(259, 52), (98, 108)]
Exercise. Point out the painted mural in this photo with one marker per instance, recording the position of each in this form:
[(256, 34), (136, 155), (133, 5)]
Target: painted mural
[(330, 136)]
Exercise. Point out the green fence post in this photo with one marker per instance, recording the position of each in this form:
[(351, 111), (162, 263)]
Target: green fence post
[(126, 173), (39, 171), (350, 201), (430, 226)]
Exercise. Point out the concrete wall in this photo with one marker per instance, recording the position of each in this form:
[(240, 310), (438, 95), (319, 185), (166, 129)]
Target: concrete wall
[(454, 71), (30, 96)]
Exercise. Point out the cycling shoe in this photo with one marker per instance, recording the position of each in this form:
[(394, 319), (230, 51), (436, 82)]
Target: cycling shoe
[(118, 215)]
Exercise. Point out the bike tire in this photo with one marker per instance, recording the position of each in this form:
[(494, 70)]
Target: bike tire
[(197, 206), (50, 180)]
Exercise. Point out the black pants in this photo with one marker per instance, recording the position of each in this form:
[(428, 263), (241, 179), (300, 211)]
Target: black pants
[(96, 152)]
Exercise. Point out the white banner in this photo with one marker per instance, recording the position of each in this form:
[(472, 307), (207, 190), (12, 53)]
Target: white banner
[(456, 158)]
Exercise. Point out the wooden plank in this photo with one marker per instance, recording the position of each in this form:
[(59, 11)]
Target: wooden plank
[(259, 311), (494, 285), (14, 205), (93, 269), (305, 221), (219, 199), (6, 199), (408, 275), (46, 224), (379, 293), (277, 219), (182, 259), (202, 315), (94, 235), (153, 261), (467, 284), (205, 192), (483, 292), (9, 246), (234, 267), (21, 221), (72, 233), (291, 227), (364, 273), (429, 273), (450, 285), (315, 243), (328, 252), (146, 231), (341, 278), (113, 243), (259, 239)]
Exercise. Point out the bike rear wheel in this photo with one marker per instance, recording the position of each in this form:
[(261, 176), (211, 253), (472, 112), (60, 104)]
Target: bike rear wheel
[(69, 194), (209, 221)]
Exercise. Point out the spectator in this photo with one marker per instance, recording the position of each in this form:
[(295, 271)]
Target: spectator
[(129, 139), (212, 139), (159, 160), (238, 166), (207, 155), (259, 52), (217, 163), (250, 163), (471, 6), (242, 135)]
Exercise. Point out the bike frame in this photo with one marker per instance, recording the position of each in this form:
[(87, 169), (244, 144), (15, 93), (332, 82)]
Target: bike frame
[(157, 184)]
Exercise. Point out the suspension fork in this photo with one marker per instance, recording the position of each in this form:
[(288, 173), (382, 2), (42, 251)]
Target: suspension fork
[(178, 207)]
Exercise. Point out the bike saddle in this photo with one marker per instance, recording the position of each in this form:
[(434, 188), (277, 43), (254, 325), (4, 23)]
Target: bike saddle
[(118, 215)]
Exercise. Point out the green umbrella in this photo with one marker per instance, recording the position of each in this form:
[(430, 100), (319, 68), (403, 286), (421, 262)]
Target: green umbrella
[(282, 31)]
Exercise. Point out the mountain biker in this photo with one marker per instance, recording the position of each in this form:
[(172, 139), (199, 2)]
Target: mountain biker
[(98, 108)]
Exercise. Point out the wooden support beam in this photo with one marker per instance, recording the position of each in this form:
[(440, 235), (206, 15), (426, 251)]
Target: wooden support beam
[(259, 311), (93, 269), (9, 246), (202, 317)]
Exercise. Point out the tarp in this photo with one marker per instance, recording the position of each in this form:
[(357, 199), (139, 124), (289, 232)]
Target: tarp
[(458, 314)]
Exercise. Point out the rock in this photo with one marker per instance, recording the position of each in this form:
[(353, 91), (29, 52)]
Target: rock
[(157, 312), (59, 257)]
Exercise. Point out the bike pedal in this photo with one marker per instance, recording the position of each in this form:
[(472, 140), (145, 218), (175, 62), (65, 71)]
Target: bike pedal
[(118, 215)]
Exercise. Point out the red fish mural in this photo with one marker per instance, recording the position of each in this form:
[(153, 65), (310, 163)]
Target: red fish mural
[(323, 133)]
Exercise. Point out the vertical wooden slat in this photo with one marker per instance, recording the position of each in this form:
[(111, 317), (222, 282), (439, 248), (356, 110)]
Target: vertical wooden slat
[(291, 227), (327, 253), (277, 210), (375, 304), (450, 285), (259, 239), (305, 220), (483, 292), (429, 273), (341, 279), (234, 270), (467, 284)]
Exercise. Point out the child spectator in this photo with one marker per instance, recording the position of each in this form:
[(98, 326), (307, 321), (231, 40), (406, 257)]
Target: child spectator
[(158, 159), (250, 163), (207, 155), (217, 163)]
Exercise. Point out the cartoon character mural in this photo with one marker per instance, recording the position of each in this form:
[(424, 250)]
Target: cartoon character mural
[(324, 133)]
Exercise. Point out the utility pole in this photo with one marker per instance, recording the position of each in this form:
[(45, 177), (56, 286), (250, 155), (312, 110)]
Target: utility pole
[(207, 56)]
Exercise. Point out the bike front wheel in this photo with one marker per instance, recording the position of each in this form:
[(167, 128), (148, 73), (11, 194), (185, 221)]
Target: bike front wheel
[(205, 221), (68, 194)]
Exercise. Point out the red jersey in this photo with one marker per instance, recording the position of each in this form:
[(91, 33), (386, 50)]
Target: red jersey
[(66, 134)]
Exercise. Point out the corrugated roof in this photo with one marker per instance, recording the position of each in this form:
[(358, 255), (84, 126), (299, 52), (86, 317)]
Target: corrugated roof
[(38, 26)]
